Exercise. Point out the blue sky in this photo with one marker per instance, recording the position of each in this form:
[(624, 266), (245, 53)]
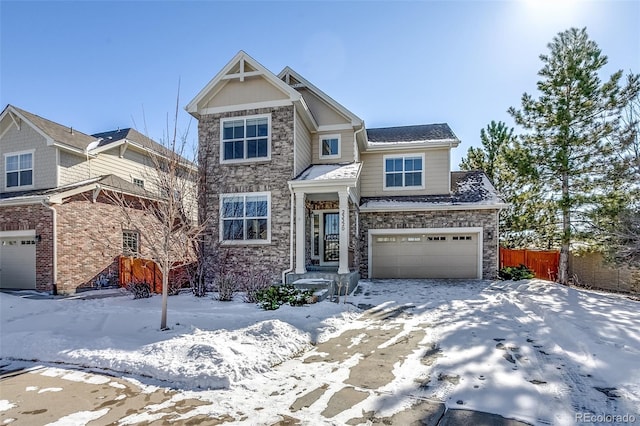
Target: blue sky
[(98, 66)]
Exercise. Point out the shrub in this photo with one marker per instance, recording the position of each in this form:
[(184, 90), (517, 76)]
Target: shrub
[(139, 290), (253, 284), (515, 273), (273, 297), (226, 286)]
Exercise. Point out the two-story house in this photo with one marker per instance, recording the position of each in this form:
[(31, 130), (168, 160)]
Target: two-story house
[(296, 183), (61, 226)]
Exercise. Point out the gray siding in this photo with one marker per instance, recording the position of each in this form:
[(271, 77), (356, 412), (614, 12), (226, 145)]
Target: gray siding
[(303, 146), (44, 157)]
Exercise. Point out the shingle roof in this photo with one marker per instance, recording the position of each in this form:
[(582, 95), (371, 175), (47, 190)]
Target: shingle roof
[(468, 187), (57, 132), (419, 133), (134, 136), (325, 172)]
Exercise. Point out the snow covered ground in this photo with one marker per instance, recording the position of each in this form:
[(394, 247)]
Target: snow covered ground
[(530, 350)]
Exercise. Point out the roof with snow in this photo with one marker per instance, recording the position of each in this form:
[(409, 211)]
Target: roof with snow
[(419, 133), (468, 188), (106, 181), (325, 172)]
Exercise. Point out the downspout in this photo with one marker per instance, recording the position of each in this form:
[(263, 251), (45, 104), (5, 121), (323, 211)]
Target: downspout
[(355, 142), (54, 237), (291, 225)]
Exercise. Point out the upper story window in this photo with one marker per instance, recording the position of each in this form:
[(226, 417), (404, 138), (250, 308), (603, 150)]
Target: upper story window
[(138, 182), (245, 139), (245, 217), (18, 169), (330, 146), (404, 171)]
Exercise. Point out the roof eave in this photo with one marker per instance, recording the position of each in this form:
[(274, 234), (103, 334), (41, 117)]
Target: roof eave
[(413, 207), (391, 146)]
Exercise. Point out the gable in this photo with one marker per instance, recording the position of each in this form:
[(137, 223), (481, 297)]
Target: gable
[(324, 114), (255, 85)]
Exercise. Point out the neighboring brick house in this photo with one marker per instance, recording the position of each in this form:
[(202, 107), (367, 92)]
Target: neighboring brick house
[(60, 224), (295, 183)]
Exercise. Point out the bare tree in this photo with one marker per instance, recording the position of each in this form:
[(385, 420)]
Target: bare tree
[(169, 225)]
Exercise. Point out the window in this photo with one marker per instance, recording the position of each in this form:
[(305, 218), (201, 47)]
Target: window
[(330, 146), (245, 217), (403, 172), (130, 243), (138, 182), (386, 239), (245, 139), (19, 169), (461, 238), (437, 238)]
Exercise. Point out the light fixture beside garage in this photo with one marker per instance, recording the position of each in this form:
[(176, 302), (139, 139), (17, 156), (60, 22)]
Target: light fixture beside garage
[(489, 235)]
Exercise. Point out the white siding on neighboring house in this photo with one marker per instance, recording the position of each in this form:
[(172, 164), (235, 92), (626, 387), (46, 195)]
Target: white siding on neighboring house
[(44, 157), (436, 173), (303, 146), (72, 168), (252, 90), (346, 148), (130, 167)]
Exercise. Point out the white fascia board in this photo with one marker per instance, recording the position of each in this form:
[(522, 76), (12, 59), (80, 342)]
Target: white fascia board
[(192, 107), (11, 109), (335, 127), (307, 117), (414, 208), (392, 146), (315, 187), (242, 107), (23, 201), (355, 120), (66, 147)]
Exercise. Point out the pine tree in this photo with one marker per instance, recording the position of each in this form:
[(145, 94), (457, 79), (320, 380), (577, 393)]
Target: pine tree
[(569, 128)]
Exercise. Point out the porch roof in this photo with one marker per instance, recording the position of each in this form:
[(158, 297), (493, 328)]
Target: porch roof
[(325, 173)]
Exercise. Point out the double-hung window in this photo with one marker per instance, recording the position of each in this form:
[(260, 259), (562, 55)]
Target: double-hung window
[(330, 146), (130, 243), (245, 139), (245, 217), (18, 169), (404, 172)]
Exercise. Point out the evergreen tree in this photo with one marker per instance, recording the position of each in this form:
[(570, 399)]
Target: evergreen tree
[(569, 128)]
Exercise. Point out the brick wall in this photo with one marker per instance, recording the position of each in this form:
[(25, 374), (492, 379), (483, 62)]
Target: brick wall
[(90, 238), (265, 176), (486, 219), (39, 218)]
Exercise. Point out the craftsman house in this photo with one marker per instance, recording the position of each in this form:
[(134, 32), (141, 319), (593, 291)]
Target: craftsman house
[(61, 228), (297, 186)]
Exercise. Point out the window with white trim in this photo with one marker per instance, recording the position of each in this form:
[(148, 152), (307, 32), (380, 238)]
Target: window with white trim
[(18, 169), (330, 146), (130, 243), (245, 217), (138, 182), (405, 171), (245, 139)]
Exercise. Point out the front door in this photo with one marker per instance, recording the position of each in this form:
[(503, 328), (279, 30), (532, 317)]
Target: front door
[(331, 252)]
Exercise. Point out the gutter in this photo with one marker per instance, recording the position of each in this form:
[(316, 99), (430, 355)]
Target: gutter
[(54, 237), (291, 225)]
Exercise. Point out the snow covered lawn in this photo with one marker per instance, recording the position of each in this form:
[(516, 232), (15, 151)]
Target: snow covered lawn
[(530, 350)]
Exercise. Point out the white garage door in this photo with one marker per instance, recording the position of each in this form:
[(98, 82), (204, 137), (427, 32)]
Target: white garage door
[(18, 262), (441, 255)]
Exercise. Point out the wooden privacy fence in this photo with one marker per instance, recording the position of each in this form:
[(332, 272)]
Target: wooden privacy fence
[(543, 263), (137, 270)]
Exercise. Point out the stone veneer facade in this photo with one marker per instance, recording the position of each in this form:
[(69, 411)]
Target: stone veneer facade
[(487, 219), (261, 176)]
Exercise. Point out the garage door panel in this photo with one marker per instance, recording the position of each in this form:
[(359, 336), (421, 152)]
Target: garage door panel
[(18, 263), (425, 256)]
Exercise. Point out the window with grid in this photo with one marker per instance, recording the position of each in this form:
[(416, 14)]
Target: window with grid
[(130, 243), (19, 169), (138, 182), (245, 139), (245, 217), (403, 172)]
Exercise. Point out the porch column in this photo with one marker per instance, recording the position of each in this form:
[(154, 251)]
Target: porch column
[(343, 266), (300, 234)]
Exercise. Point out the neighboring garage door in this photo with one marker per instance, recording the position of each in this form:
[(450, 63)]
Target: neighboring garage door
[(442, 255), (18, 262)]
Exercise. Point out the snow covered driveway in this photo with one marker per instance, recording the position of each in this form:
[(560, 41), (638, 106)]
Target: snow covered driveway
[(531, 350)]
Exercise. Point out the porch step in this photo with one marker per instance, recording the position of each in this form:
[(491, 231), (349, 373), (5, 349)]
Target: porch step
[(319, 286)]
